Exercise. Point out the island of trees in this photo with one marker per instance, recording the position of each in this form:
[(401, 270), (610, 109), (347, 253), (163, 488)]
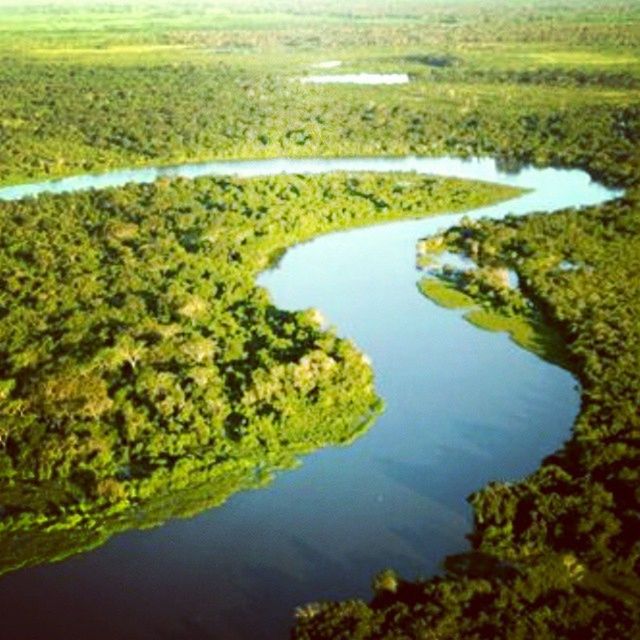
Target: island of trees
[(140, 360)]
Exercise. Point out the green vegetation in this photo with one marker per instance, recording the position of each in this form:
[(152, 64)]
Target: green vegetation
[(444, 294), (141, 366), (492, 303), (556, 555), (115, 86), (531, 333), (141, 362)]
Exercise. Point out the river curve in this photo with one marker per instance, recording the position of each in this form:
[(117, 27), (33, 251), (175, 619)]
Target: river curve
[(463, 407)]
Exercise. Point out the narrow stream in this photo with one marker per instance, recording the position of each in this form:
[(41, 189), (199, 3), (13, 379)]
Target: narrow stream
[(463, 407)]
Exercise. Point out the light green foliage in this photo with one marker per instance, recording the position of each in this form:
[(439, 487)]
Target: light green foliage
[(491, 302), (445, 294), (530, 332), (140, 362), (140, 359)]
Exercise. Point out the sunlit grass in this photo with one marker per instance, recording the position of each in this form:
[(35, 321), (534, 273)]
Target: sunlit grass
[(578, 58), (445, 294), (530, 333)]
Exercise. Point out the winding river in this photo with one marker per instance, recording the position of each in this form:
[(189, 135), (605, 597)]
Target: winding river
[(463, 407)]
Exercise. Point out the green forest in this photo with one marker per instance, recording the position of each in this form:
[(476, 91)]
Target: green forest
[(140, 359), (143, 373), (152, 89), (558, 554)]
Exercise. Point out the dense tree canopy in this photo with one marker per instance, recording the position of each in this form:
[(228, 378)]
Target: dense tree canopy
[(139, 358), (143, 375), (558, 554)]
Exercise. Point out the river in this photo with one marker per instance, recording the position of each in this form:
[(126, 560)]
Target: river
[(463, 407)]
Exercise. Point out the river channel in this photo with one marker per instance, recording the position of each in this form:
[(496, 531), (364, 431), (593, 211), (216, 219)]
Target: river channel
[(463, 407)]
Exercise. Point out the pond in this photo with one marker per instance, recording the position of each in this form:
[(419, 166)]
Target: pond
[(463, 407), (357, 78), (327, 64)]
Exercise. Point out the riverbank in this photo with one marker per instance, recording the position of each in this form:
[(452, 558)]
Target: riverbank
[(351, 199)]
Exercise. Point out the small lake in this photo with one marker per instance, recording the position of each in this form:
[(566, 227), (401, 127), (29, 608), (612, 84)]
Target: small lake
[(327, 64), (463, 407), (357, 78)]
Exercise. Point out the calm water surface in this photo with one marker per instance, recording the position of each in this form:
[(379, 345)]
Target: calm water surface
[(463, 407), (357, 78)]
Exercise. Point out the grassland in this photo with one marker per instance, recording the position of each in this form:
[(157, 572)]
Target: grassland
[(163, 84), (445, 294), (528, 330)]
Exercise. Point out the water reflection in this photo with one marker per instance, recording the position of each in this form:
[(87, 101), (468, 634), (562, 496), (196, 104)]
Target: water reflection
[(463, 407)]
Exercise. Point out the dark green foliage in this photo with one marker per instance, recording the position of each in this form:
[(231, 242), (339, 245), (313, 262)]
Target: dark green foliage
[(139, 359), (545, 76), (140, 365), (583, 270), (546, 599), (558, 554)]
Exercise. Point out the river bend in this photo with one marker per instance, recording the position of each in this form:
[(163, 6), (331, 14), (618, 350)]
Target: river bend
[(463, 407)]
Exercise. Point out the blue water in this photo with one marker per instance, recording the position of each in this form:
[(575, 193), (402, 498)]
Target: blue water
[(463, 407)]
